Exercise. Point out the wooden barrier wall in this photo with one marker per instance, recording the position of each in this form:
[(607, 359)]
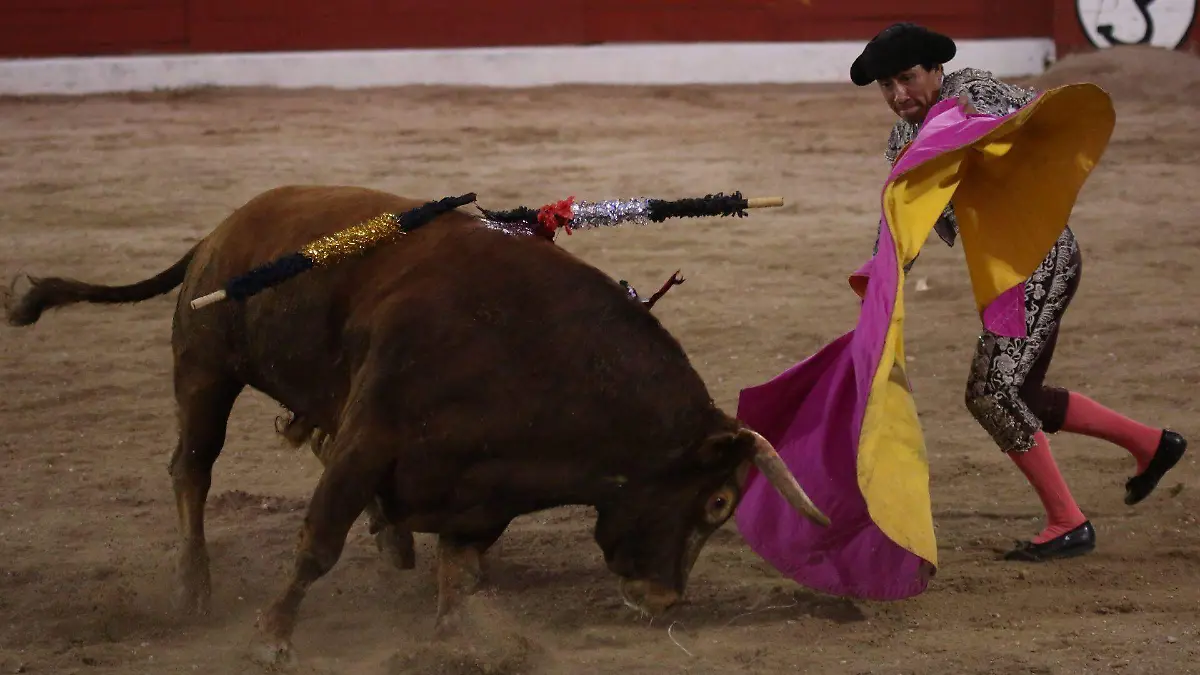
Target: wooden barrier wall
[(118, 27), (41, 28)]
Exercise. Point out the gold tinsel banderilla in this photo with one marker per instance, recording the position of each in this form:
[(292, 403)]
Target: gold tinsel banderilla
[(353, 241), (331, 249)]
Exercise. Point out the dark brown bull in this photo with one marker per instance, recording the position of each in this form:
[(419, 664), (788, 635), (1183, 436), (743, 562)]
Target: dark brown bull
[(463, 377)]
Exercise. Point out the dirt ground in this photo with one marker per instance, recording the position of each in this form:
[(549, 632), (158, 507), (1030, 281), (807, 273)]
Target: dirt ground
[(115, 188)]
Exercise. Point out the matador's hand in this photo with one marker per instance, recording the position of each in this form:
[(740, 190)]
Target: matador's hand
[(965, 105)]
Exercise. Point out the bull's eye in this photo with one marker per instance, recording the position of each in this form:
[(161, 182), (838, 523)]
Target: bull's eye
[(719, 507)]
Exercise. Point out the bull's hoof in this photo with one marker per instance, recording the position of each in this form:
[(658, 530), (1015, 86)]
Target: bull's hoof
[(194, 595), (397, 548), (192, 602), (449, 624), (273, 654), (272, 645)]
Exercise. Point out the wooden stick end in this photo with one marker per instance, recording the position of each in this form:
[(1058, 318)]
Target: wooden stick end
[(764, 202), (206, 300)]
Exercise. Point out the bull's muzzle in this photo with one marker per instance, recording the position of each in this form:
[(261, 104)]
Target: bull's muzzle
[(648, 597)]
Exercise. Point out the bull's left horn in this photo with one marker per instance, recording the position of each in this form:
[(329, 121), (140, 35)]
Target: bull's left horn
[(772, 467)]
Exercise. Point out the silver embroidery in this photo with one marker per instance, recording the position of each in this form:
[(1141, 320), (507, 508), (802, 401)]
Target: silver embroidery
[(989, 96), (1001, 364)]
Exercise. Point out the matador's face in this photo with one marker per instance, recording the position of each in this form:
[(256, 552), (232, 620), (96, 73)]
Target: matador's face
[(911, 93)]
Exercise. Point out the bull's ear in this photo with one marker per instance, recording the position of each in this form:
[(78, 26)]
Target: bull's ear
[(726, 448)]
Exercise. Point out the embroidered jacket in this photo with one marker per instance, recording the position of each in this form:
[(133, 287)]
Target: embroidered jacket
[(990, 97)]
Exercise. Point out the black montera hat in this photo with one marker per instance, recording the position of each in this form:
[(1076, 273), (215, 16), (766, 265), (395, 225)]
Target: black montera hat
[(899, 47)]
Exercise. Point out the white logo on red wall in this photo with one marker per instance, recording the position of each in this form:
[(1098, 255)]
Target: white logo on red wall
[(1157, 23)]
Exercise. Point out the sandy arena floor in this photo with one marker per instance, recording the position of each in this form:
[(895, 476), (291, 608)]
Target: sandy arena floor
[(113, 189)]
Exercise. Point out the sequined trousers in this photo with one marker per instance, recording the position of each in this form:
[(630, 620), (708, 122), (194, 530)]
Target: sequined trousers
[(1006, 390)]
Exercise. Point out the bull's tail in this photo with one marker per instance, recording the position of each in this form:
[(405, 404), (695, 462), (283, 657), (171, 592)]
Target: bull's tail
[(52, 292)]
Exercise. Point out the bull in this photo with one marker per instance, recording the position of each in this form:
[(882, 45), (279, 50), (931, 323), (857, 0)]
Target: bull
[(460, 378)]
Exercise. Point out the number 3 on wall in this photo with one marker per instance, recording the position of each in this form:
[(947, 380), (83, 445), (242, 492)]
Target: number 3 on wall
[(1158, 23)]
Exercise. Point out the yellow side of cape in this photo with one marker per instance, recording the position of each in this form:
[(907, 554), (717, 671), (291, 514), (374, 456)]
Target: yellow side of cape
[(1013, 192)]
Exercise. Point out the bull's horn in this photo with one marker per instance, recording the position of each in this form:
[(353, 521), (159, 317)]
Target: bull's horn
[(772, 467)]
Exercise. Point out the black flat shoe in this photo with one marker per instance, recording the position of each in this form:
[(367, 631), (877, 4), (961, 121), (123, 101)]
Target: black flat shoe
[(1077, 542), (1170, 450)]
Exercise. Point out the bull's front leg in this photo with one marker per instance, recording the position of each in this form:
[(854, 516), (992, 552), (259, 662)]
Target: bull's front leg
[(459, 574), (394, 542), (344, 490)]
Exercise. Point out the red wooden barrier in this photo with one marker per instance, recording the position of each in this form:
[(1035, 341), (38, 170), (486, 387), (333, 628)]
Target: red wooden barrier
[(96, 27)]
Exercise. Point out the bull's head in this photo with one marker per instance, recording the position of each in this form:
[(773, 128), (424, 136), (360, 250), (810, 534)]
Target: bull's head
[(652, 530)]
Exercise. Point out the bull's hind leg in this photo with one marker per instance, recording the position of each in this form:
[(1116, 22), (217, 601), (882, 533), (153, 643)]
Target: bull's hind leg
[(346, 487), (204, 402)]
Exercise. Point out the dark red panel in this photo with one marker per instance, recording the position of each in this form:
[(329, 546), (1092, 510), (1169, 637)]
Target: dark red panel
[(294, 10), (92, 31), (1019, 18), (667, 25), (663, 21), (13, 6), (367, 24), (726, 20)]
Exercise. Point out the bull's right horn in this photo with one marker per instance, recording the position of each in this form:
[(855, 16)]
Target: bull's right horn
[(772, 467)]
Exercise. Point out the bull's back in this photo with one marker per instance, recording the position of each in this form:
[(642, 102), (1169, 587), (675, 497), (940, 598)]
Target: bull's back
[(282, 221), (302, 340)]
